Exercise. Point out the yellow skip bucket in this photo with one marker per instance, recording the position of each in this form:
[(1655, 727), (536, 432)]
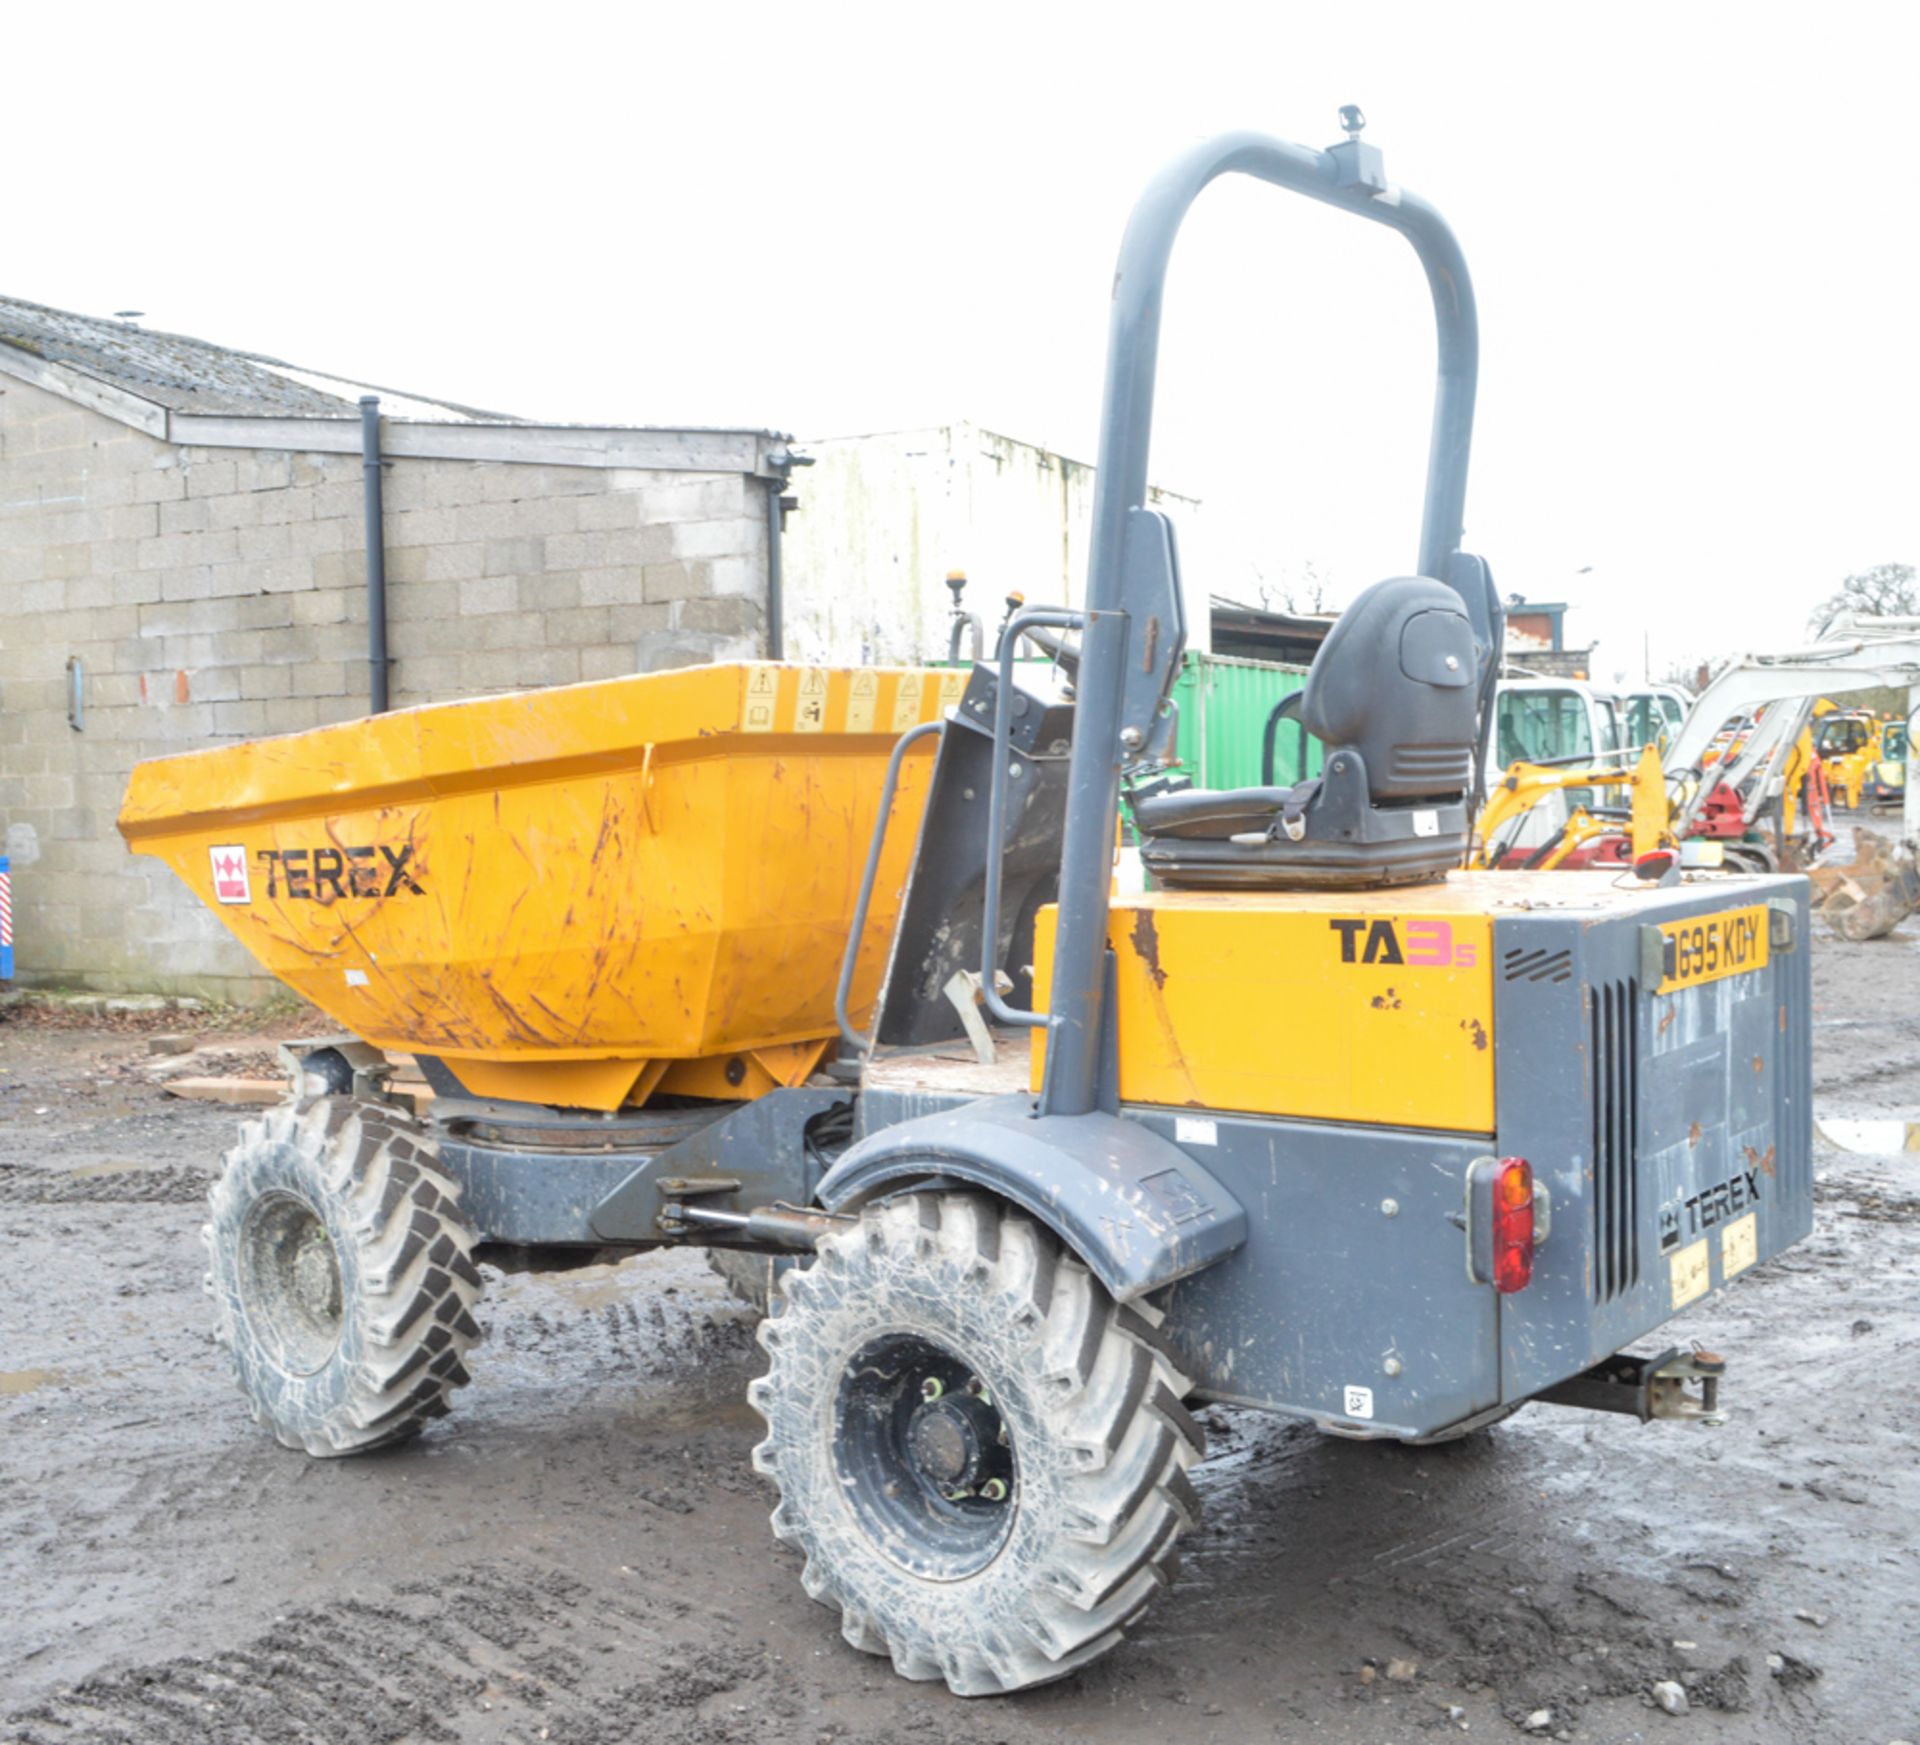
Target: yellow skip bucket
[(579, 896)]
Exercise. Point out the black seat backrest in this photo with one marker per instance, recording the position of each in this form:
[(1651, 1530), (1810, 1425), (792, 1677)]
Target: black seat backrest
[(1397, 679)]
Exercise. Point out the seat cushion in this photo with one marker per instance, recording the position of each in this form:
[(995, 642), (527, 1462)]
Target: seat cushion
[(1211, 814)]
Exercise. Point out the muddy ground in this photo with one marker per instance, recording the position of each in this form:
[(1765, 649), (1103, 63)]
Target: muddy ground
[(581, 1553)]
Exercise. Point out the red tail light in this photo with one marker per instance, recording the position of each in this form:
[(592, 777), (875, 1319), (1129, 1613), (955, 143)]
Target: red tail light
[(1513, 1225)]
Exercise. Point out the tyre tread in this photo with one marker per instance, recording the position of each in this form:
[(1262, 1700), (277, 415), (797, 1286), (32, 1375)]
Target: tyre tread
[(1108, 1384), (419, 1285)]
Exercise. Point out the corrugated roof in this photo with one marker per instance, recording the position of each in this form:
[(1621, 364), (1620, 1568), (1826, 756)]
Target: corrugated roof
[(192, 375)]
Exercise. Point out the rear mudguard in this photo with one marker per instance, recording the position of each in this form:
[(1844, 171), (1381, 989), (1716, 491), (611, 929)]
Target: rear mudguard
[(1135, 1207)]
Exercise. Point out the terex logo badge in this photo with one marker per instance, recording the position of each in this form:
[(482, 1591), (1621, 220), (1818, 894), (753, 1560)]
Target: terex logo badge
[(230, 874), (331, 875)]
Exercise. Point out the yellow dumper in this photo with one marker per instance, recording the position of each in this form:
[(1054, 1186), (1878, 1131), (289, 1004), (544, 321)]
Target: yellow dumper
[(829, 970)]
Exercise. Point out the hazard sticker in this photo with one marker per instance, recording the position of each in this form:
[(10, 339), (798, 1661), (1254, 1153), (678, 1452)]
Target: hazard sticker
[(1739, 1245), (906, 702), (862, 692), (1690, 1275), (810, 714), (230, 874), (763, 691), (953, 686), (1359, 1402)]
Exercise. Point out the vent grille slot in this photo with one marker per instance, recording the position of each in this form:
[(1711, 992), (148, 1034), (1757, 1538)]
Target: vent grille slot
[(1793, 1096), (1538, 966), (1616, 1134)]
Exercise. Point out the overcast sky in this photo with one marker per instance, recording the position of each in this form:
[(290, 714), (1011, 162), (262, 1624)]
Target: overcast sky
[(1692, 231)]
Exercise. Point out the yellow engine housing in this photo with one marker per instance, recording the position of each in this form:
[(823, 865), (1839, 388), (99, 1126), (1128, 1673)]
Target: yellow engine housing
[(1371, 1007)]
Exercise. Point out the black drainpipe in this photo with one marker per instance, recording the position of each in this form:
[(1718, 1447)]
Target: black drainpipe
[(782, 461), (376, 554)]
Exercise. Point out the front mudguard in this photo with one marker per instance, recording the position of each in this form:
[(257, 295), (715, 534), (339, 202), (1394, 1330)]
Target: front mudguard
[(1135, 1207)]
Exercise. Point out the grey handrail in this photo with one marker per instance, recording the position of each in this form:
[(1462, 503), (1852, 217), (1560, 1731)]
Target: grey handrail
[(1010, 634), (1347, 176), (848, 958)]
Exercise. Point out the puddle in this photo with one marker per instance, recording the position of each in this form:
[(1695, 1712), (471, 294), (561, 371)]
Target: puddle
[(24, 1381), (1872, 1137)]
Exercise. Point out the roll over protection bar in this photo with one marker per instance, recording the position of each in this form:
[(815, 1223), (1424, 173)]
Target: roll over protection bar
[(1349, 176)]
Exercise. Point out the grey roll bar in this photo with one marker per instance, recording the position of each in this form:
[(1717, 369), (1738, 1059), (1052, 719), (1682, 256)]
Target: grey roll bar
[(1349, 176)]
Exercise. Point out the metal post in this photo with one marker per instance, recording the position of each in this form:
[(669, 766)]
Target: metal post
[(1910, 795), (1348, 176), (776, 604), (376, 554), (780, 463)]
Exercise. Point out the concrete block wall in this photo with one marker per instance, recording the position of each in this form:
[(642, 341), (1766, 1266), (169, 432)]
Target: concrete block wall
[(218, 594)]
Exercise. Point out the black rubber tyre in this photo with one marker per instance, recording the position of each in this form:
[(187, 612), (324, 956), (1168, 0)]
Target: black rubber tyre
[(748, 1276), (1749, 857), (342, 1276), (955, 1298)]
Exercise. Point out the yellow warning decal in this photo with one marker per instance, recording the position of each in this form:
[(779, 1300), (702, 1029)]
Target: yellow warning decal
[(1692, 1275), (810, 713), (906, 702), (763, 691), (860, 699), (1739, 1245), (1708, 948)]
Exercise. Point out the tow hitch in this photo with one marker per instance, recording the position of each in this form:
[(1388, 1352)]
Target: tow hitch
[(1648, 1387)]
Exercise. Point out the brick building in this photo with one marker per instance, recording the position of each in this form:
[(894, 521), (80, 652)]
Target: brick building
[(1536, 640), (183, 560)]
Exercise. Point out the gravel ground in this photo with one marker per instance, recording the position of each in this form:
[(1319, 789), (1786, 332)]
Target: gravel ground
[(581, 1553)]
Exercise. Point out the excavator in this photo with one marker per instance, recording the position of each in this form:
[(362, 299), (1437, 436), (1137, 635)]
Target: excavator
[(1884, 786), (1848, 742), (1709, 785)]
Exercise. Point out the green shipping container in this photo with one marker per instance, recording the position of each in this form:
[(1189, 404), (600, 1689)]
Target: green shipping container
[(1224, 704)]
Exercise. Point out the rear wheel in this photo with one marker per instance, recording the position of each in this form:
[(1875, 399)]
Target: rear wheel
[(342, 1276), (748, 1276), (983, 1457)]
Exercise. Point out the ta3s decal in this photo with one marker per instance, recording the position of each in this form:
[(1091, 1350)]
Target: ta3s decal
[(1417, 944)]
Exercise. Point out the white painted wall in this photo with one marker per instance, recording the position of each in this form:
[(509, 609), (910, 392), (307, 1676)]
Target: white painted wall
[(884, 518)]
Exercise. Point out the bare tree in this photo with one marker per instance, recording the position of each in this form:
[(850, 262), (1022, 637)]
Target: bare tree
[(1885, 591), (1295, 587), (1306, 592)]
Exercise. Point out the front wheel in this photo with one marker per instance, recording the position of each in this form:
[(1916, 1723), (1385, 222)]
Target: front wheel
[(342, 1276), (983, 1457)]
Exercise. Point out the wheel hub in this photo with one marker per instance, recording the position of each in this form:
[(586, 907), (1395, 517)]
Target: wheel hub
[(290, 1286), (951, 1439), (925, 1455)]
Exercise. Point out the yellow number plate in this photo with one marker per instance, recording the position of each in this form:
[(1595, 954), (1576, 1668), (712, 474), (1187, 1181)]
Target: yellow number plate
[(1709, 947)]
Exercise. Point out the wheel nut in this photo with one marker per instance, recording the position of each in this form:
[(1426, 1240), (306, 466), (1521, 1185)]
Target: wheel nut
[(994, 1490), (932, 1388)]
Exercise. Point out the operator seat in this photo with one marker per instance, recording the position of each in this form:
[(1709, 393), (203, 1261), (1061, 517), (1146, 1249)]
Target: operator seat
[(1393, 695)]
